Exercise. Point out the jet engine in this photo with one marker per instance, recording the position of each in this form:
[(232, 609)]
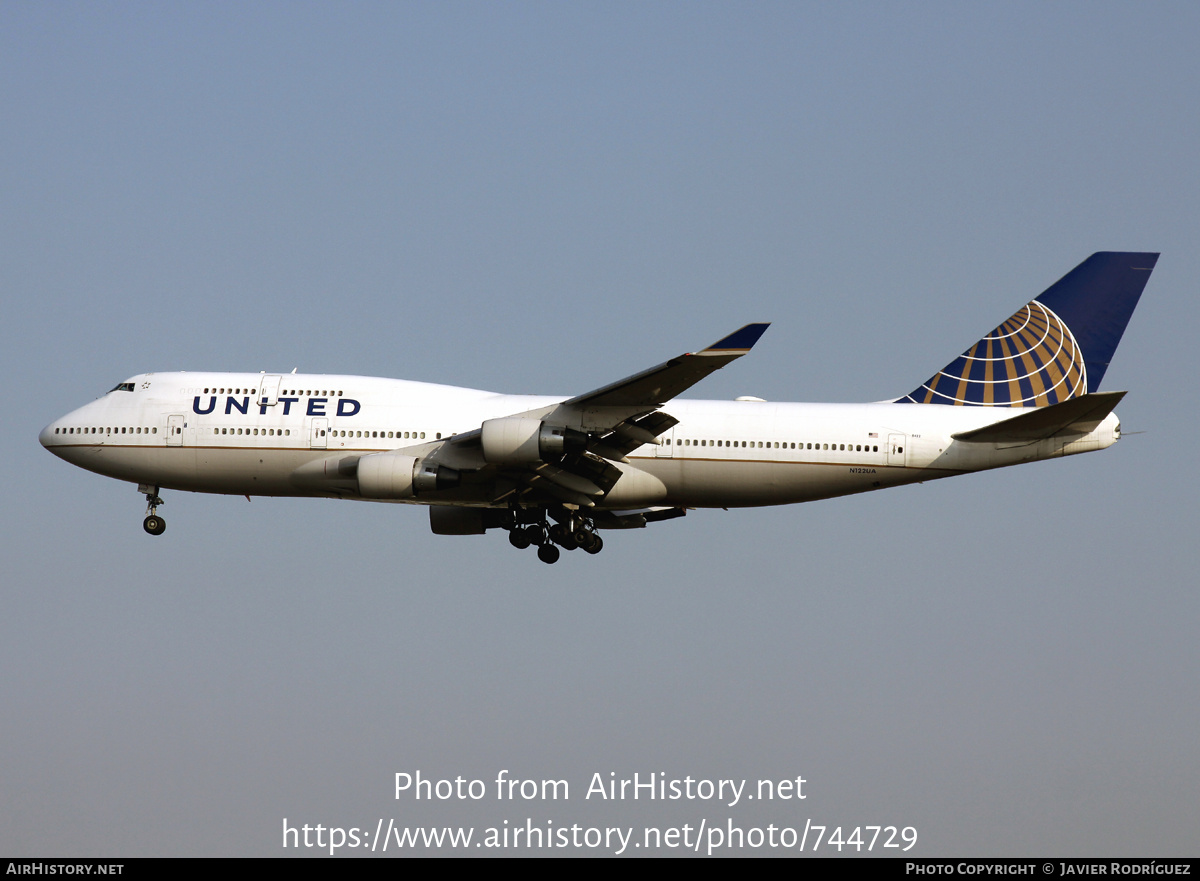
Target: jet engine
[(397, 476), (518, 440)]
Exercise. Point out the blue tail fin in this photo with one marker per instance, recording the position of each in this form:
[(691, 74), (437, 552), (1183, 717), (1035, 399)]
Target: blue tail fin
[(1056, 347)]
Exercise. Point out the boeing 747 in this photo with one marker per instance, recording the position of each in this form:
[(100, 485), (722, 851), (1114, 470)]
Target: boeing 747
[(553, 471)]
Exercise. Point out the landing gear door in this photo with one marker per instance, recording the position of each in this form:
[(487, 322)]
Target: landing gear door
[(666, 449), (268, 391), (175, 431), (895, 449), (317, 433)]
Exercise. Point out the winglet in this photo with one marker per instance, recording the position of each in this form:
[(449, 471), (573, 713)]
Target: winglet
[(739, 342)]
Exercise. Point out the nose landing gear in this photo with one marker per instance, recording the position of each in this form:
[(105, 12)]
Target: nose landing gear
[(153, 524)]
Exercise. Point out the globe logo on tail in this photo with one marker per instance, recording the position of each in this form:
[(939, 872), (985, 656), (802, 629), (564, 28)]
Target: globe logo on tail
[(1031, 360)]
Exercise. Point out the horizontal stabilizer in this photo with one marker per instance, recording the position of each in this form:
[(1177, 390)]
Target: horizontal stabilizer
[(1081, 414)]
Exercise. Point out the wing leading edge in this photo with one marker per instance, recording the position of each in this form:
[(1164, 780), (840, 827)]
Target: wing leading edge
[(654, 387), (590, 431)]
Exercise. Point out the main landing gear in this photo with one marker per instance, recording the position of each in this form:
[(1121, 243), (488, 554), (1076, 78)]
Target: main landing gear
[(153, 524), (570, 532)]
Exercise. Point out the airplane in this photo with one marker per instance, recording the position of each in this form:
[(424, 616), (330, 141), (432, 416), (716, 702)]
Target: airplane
[(553, 471)]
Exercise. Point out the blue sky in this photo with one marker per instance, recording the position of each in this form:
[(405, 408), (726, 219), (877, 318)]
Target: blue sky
[(543, 198)]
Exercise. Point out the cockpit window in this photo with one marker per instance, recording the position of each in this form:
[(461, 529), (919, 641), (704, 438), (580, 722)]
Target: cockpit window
[(122, 387)]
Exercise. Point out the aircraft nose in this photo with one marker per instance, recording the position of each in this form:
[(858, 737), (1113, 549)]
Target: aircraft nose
[(47, 436)]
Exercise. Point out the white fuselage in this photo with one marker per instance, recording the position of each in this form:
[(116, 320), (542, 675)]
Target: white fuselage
[(258, 434)]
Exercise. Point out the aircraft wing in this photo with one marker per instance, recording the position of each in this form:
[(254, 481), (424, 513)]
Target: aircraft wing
[(654, 387), (597, 428)]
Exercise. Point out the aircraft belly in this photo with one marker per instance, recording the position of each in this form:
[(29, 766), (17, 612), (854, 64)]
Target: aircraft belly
[(252, 472), (161, 466), (716, 484), (203, 469)]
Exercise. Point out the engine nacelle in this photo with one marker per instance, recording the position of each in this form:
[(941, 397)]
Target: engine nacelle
[(387, 476), (517, 440), (397, 476)]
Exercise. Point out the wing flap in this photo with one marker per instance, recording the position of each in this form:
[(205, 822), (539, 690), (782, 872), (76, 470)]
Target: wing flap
[(622, 442)]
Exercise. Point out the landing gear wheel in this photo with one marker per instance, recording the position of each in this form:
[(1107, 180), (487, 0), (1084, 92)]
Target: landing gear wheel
[(596, 546), (518, 538), (153, 524), (548, 553), (536, 535)]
